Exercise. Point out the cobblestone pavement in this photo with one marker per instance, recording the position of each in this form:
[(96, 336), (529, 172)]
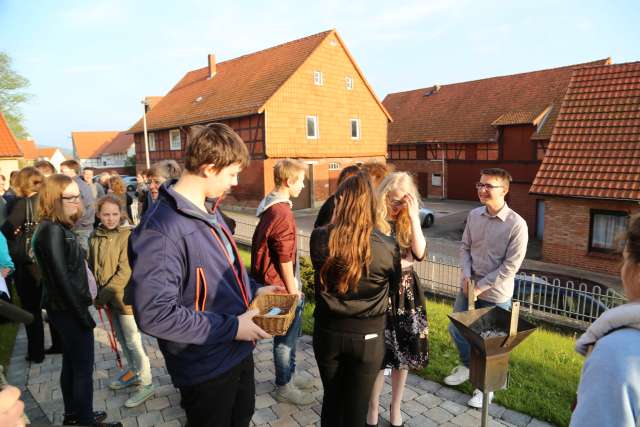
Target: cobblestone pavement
[(426, 403)]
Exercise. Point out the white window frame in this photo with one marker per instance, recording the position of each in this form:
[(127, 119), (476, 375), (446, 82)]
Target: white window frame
[(315, 127), (334, 166), (173, 147), (152, 141), (348, 82), (358, 133), (436, 180), (318, 78)]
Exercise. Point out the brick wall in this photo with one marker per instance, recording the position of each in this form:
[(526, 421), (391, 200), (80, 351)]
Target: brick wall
[(419, 167), (566, 234), (334, 106)]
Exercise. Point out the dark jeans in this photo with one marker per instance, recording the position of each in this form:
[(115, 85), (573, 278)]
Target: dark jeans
[(30, 293), (76, 378), (348, 367), (462, 304), (225, 401)]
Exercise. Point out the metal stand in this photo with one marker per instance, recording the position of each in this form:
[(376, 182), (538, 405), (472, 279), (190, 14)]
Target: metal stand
[(485, 408)]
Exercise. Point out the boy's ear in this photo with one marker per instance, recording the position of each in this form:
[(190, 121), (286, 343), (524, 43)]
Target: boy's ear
[(208, 170)]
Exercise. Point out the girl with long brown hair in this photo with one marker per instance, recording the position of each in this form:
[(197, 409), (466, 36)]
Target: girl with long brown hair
[(67, 297), (355, 266), (407, 330)]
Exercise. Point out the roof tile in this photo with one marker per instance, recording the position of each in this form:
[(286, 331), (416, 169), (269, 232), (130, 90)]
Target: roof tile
[(8, 144)]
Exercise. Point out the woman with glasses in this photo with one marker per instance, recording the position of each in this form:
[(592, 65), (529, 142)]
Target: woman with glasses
[(407, 330), (356, 268), (67, 297), (18, 227)]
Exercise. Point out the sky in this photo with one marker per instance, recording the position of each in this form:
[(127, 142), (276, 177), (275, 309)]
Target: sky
[(90, 63)]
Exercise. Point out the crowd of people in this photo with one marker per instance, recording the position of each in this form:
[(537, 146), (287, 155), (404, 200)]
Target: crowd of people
[(165, 262)]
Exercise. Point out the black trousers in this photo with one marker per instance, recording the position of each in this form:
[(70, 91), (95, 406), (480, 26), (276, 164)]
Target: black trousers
[(76, 377), (30, 292), (348, 366), (225, 401)]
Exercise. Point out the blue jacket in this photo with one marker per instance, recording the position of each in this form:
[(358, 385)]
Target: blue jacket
[(185, 291), (609, 391)]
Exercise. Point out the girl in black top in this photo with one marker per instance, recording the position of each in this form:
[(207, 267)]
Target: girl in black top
[(355, 268)]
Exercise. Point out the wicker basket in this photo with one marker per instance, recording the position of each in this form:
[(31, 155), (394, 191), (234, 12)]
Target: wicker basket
[(278, 324)]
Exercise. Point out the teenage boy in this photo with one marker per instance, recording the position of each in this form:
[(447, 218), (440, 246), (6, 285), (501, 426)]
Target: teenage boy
[(494, 244), (190, 290), (274, 262)]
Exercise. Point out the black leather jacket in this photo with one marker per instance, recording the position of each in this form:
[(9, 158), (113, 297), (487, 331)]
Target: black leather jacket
[(64, 274)]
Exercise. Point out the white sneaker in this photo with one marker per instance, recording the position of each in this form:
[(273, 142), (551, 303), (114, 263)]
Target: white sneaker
[(459, 374), (476, 399), (302, 383), (290, 393)]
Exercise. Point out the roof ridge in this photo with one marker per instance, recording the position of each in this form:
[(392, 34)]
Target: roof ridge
[(577, 66), (261, 51)]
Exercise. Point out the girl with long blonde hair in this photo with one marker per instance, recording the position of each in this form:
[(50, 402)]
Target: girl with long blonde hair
[(356, 268), (407, 329)]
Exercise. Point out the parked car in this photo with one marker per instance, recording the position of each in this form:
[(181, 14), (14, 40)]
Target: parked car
[(427, 217), (131, 182)]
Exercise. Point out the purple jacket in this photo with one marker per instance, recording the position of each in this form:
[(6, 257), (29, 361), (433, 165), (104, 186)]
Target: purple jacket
[(185, 291)]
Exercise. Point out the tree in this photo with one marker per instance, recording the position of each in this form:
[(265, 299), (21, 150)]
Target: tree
[(12, 96)]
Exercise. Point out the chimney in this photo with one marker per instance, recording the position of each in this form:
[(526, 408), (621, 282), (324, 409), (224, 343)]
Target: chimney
[(212, 65)]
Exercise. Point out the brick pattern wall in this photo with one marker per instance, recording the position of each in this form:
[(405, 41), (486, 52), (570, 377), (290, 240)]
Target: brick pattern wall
[(334, 106), (566, 234), (418, 167)]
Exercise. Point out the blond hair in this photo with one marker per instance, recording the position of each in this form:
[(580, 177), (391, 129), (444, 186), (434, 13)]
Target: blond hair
[(287, 169), (395, 181)]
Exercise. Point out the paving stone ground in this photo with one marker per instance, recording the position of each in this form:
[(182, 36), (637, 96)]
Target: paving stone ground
[(426, 403)]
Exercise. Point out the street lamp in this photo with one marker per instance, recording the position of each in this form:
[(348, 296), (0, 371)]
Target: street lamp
[(146, 137)]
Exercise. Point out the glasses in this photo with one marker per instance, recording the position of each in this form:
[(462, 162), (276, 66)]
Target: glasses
[(487, 187), (72, 199), (154, 181), (396, 203)]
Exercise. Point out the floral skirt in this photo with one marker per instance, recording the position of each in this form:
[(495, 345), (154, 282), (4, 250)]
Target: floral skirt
[(407, 329)]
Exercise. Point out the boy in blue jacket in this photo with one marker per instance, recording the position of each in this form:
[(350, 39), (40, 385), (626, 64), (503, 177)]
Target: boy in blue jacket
[(190, 289)]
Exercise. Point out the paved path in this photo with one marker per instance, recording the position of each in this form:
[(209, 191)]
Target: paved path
[(426, 403)]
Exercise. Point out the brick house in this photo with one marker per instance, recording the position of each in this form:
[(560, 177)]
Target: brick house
[(304, 99), (10, 152), (590, 176), (446, 134), (103, 151)]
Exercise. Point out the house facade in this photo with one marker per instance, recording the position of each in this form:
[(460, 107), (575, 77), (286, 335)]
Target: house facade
[(445, 135), (590, 176), (104, 150), (10, 152), (304, 99), (52, 155)]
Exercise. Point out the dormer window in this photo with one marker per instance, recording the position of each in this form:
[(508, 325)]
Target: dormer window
[(317, 78)]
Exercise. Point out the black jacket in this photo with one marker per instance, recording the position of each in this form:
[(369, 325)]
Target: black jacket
[(64, 274), (365, 308)]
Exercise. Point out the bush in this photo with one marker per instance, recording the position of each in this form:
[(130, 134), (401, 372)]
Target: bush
[(307, 278)]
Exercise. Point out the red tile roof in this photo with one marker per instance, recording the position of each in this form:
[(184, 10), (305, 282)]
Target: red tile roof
[(240, 87), (594, 151), (88, 145), (8, 144), (120, 144), (47, 152), (465, 112), (29, 148)]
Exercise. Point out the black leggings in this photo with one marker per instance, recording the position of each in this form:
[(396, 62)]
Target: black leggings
[(348, 366)]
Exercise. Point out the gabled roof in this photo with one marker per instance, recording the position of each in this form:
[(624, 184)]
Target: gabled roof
[(468, 111), (594, 151), (120, 144), (47, 152), (29, 149), (89, 144), (8, 144), (241, 86)]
